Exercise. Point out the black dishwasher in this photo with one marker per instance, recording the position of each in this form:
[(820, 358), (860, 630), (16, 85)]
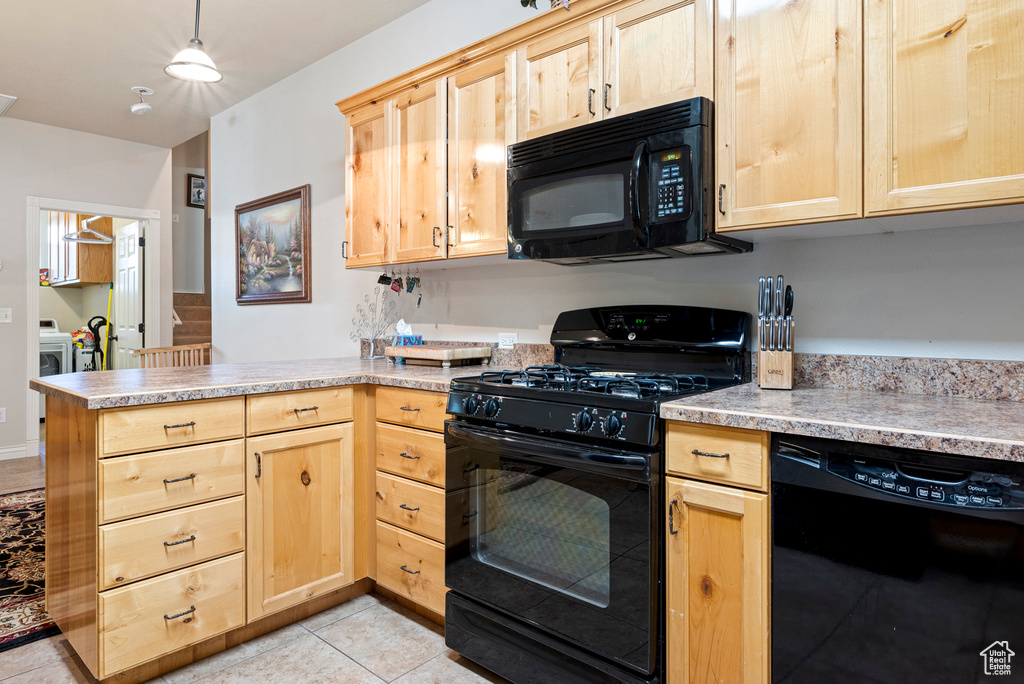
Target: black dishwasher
[(894, 566)]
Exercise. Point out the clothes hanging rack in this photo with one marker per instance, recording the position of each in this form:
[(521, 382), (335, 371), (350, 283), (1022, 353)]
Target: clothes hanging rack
[(97, 238)]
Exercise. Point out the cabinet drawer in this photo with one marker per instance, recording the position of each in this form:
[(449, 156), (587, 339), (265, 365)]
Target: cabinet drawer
[(149, 483), (305, 408), (144, 547), (123, 431), (411, 453), (717, 454), (414, 506), (414, 408), (139, 622), (411, 566)]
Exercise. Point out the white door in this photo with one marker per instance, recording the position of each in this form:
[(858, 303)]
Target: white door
[(127, 306)]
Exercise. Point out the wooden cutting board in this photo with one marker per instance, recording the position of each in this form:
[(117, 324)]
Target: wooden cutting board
[(437, 355)]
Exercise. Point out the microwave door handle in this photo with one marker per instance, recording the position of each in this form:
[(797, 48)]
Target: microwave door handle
[(640, 230)]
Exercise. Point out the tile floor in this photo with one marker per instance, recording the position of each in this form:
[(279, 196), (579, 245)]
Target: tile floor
[(368, 640)]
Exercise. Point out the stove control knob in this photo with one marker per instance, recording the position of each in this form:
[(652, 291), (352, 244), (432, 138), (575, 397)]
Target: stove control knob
[(471, 405), (612, 425), (491, 408), (584, 420)]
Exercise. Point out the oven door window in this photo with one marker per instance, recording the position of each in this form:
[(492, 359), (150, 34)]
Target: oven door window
[(541, 526)]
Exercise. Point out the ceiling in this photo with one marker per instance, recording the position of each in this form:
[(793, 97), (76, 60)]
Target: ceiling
[(72, 63)]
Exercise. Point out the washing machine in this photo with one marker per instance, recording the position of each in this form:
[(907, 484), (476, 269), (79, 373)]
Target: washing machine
[(55, 354)]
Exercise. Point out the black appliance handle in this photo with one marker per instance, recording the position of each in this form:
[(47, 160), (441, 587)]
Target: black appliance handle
[(639, 154), (793, 469), (553, 452)]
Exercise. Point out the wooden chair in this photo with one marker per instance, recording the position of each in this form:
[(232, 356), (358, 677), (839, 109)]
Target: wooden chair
[(175, 357)]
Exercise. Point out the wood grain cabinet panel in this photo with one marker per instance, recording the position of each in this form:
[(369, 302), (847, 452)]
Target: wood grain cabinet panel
[(411, 565), (415, 454), (147, 546), (481, 123), (716, 549), (278, 411), (728, 456), (657, 52), (410, 505), (368, 186), (420, 123), (160, 426), (788, 121), (944, 96), (170, 612), (300, 516), (412, 408), (153, 482)]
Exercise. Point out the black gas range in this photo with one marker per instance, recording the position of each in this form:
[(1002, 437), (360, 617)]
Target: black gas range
[(555, 493)]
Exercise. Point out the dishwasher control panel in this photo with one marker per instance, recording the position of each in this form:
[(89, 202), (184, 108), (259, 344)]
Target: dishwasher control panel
[(970, 489)]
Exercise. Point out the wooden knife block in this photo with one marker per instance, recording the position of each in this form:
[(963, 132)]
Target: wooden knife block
[(774, 369)]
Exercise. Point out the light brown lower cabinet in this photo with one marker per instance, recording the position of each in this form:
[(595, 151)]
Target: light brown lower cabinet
[(717, 591), (300, 516)]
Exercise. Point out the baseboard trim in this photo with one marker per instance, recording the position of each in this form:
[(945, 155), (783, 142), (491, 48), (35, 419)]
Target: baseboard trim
[(31, 448)]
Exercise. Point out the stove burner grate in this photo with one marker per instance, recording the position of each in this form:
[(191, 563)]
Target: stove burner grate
[(595, 380)]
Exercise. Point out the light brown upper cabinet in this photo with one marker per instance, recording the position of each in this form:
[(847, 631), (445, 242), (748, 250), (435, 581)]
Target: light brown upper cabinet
[(656, 52), (418, 162), (944, 98), (788, 112), (481, 123), (368, 186), (78, 264), (641, 55)]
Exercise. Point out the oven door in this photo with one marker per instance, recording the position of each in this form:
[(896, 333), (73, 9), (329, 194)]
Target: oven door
[(557, 535)]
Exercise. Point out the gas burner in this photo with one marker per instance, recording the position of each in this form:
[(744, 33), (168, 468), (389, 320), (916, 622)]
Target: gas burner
[(592, 379), (556, 377)]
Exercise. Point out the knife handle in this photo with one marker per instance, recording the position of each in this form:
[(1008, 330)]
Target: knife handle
[(789, 333)]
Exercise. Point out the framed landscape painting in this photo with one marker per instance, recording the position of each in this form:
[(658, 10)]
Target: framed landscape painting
[(272, 241)]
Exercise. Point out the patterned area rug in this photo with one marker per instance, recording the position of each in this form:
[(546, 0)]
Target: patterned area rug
[(23, 618)]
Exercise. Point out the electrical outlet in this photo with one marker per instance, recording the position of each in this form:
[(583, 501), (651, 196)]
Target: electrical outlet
[(3, 415), (507, 340), (6, 315)]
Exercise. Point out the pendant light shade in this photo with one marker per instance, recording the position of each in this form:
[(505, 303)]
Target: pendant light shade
[(192, 63)]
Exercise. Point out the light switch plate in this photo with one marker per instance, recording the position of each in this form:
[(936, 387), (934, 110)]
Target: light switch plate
[(3, 415), (6, 316), (507, 340)]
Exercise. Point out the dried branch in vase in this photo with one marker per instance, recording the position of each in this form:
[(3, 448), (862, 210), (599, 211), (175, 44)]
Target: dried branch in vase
[(373, 321)]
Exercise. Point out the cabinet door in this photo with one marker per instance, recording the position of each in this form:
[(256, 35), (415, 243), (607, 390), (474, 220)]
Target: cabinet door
[(71, 225), (788, 112), (368, 186), (944, 96), (299, 515), (716, 551), (481, 117), (420, 207), (559, 81), (54, 247), (657, 52)]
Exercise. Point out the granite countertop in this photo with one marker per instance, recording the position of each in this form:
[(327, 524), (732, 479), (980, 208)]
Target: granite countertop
[(954, 425), (135, 387)]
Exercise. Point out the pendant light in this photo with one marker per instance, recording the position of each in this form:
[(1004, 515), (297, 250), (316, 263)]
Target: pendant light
[(192, 63)]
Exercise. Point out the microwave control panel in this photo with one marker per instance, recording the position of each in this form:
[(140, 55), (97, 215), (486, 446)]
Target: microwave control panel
[(670, 174)]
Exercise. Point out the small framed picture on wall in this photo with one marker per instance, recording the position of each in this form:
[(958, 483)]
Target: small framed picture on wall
[(196, 191)]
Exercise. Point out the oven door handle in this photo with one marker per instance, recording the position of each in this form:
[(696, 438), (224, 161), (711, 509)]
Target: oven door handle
[(552, 451), (639, 229)]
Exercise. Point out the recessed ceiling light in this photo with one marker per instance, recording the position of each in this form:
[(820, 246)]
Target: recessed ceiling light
[(141, 107), (5, 102)]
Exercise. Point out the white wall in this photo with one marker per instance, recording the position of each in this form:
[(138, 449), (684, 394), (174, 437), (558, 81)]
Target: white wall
[(188, 233), (44, 161), (946, 292)]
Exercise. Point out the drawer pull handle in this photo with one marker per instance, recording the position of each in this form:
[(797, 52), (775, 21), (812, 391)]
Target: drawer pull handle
[(406, 408), (407, 508), (470, 516), (671, 516), (190, 423), (259, 464), (181, 541), (697, 452), (405, 454), (308, 408), (190, 476), (411, 572), (467, 471), (191, 609)]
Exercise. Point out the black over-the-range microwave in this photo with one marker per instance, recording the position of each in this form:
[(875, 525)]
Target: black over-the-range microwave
[(637, 186)]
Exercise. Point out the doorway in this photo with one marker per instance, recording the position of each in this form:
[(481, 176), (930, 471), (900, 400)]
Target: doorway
[(133, 224)]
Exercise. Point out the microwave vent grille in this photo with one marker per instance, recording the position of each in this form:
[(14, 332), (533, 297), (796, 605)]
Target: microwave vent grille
[(600, 133)]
